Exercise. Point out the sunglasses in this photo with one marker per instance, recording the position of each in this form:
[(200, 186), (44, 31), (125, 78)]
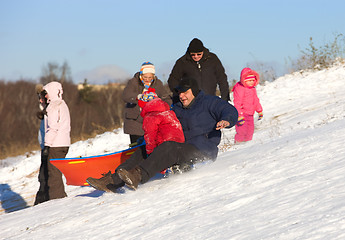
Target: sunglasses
[(195, 54)]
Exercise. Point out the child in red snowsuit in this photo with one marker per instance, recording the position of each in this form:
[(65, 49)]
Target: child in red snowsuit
[(160, 124), (246, 102)]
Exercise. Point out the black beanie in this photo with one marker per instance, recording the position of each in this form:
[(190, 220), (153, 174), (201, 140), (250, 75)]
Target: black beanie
[(195, 46), (188, 83)]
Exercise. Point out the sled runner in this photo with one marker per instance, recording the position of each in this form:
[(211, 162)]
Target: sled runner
[(77, 170)]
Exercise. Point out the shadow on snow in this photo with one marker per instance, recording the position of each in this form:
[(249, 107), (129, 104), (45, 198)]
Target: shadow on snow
[(11, 201)]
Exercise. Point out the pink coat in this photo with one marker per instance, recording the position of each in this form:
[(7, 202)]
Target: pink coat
[(246, 99), (57, 121), (160, 124)]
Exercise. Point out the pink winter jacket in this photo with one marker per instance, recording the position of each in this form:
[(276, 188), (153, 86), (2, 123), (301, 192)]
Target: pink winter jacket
[(57, 121), (246, 99)]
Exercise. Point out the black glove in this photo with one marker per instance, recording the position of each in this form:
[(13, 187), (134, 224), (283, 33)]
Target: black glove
[(45, 151), (40, 115)]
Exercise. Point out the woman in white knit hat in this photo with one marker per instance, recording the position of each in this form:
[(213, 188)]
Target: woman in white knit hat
[(141, 81)]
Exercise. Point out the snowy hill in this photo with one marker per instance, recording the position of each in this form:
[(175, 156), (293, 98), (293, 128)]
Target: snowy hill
[(288, 183)]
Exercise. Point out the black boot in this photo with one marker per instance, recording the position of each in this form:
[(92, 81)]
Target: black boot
[(105, 183), (131, 177), (41, 197)]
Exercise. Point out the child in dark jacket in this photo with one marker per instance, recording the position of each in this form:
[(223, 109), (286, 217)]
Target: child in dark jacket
[(246, 102)]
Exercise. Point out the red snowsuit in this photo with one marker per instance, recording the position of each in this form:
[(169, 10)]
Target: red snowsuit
[(160, 124), (246, 102)]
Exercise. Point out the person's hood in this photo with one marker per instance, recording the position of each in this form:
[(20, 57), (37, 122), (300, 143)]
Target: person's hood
[(155, 105), (54, 90), (247, 71)]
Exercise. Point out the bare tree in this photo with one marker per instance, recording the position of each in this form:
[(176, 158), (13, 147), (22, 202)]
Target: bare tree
[(54, 72), (266, 71), (324, 56), (65, 72)]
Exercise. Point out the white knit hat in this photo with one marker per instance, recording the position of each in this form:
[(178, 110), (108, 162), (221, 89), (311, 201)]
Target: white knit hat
[(147, 67)]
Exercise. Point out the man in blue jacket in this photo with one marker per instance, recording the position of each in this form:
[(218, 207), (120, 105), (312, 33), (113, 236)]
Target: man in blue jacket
[(202, 116)]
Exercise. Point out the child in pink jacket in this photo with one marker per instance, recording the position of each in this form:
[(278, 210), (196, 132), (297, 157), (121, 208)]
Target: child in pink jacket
[(246, 102), (56, 143)]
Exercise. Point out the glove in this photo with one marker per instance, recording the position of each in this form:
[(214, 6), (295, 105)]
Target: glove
[(45, 151), (240, 121), (140, 140), (261, 115), (40, 115)]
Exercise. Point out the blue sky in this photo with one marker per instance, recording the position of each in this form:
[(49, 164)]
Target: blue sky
[(105, 39)]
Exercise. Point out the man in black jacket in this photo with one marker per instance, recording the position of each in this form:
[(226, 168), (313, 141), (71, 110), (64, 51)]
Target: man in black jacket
[(202, 65)]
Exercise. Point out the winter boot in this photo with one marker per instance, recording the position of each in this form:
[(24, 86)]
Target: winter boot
[(131, 177), (105, 183)]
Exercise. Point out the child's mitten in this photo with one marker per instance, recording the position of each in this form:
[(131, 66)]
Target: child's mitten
[(240, 120), (261, 115)]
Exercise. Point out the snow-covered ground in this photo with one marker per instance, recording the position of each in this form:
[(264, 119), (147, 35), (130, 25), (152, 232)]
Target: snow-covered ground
[(288, 183)]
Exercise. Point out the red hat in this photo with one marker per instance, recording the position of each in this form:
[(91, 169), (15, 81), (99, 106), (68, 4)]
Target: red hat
[(146, 96)]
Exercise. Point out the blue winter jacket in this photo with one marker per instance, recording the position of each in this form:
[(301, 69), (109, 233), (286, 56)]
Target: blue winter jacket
[(199, 121)]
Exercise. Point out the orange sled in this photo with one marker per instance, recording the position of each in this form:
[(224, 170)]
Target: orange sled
[(77, 170)]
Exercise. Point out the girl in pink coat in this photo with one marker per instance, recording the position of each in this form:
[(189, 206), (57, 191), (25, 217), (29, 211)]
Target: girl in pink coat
[(56, 143), (247, 103)]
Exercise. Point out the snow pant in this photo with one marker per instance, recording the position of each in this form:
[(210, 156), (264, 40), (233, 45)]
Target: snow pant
[(50, 178), (164, 156), (168, 154), (245, 132)]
